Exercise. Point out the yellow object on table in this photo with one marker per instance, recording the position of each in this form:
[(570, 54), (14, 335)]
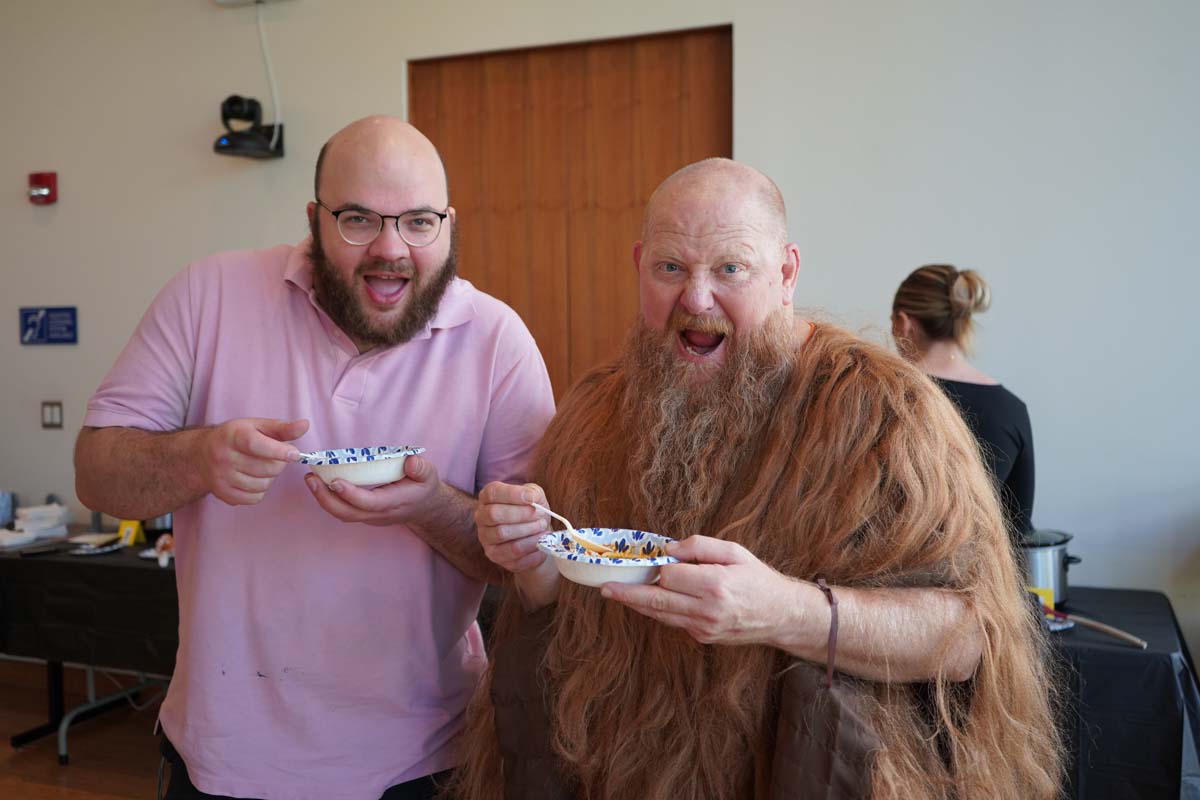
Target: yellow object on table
[(1047, 596), (131, 532)]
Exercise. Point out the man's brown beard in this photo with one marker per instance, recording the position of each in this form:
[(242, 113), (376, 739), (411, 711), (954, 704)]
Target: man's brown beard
[(337, 296), (692, 427)]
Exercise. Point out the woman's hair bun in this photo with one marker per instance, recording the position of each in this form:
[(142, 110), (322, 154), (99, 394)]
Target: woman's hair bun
[(969, 294)]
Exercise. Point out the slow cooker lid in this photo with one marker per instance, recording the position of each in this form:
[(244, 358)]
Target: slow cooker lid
[(1045, 538)]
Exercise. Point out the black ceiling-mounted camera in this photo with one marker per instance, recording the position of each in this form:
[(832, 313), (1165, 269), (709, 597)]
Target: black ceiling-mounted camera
[(256, 140)]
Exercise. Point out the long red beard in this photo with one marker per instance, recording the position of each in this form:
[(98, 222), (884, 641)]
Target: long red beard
[(684, 434), (692, 429)]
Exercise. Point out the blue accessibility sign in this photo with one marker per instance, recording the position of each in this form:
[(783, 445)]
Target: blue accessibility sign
[(47, 325)]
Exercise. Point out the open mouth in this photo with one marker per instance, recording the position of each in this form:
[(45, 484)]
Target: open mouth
[(385, 288), (700, 344)]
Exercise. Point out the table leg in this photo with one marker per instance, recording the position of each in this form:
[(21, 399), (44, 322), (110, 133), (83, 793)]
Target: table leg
[(54, 698), (59, 721), (89, 710)]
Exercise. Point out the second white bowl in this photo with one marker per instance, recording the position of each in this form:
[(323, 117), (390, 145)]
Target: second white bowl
[(361, 466)]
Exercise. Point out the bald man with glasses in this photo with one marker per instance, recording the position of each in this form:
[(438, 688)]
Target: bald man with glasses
[(328, 644)]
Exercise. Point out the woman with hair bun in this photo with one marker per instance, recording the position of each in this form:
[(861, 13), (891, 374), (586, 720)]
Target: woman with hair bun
[(932, 324)]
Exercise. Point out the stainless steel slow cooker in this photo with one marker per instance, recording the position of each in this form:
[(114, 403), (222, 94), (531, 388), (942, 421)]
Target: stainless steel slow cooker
[(1046, 562)]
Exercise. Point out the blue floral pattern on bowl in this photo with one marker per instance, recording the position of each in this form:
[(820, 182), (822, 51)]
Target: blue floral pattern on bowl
[(354, 455), (638, 548)]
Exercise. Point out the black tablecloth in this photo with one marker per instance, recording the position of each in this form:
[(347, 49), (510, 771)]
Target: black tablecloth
[(1132, 717), (112, 610)]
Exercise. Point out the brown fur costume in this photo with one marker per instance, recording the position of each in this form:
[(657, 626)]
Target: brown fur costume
[(859, 470)]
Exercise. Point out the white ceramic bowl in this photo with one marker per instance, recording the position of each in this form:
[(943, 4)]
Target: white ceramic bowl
[(362, 466), (576, 563)]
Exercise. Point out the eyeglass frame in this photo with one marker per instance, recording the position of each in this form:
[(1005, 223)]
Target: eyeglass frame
[(441, 215)]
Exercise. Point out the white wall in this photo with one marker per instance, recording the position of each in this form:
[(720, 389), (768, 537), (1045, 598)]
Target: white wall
[(1048, 145)]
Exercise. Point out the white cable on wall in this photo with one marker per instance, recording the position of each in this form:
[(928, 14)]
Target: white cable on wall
[(262, 39)]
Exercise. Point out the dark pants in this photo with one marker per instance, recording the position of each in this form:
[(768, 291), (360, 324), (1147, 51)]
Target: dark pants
[(181, 788)]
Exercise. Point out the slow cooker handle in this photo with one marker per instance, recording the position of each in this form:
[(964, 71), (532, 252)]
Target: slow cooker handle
[(1069, 560)]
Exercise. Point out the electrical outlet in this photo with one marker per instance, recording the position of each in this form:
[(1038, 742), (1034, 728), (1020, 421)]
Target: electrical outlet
[(52, 414)]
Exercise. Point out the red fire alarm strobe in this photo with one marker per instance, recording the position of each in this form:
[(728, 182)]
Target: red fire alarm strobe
[(43, 188)]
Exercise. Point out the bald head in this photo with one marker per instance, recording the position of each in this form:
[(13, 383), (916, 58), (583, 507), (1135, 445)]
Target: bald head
[(714, 258), (368, 139), (719, 183)]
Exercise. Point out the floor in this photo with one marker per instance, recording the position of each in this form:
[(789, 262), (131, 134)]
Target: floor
[(113, 755)]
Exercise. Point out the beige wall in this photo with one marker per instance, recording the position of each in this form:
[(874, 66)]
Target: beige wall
[(1049, 145)]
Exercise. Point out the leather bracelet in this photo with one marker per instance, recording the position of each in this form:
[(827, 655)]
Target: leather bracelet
[(833, 623)]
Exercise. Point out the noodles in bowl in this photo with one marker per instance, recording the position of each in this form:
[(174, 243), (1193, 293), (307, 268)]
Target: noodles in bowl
[(613, 555)]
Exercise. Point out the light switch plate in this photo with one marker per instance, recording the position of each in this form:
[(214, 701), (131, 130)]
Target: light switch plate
[(52, 414)]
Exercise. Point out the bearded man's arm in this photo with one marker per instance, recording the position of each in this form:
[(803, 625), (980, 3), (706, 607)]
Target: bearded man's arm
[(884, 634), (722, 594)]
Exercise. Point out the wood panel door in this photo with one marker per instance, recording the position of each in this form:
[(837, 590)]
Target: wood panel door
[(552, 153)]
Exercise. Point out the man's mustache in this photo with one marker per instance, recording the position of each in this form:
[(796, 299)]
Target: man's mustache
[(683, 321), (400, 269)]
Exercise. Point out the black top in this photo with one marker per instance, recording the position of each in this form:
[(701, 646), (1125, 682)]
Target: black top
[(1000, 422)]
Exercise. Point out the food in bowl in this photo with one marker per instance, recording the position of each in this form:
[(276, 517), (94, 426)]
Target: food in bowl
[(361, 466), (614, 555)]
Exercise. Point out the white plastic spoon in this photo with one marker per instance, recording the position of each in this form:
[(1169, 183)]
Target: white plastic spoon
[(591, 547)]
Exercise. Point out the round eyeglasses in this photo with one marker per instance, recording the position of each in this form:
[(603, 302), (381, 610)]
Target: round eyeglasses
[(360, 226)]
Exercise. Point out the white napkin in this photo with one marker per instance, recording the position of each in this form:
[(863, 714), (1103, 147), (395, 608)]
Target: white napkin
[(15, 538), (54, 513), (45, 521), (45, 531)]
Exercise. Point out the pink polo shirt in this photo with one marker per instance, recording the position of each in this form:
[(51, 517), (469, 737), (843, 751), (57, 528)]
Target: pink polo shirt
[(319, 659)]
